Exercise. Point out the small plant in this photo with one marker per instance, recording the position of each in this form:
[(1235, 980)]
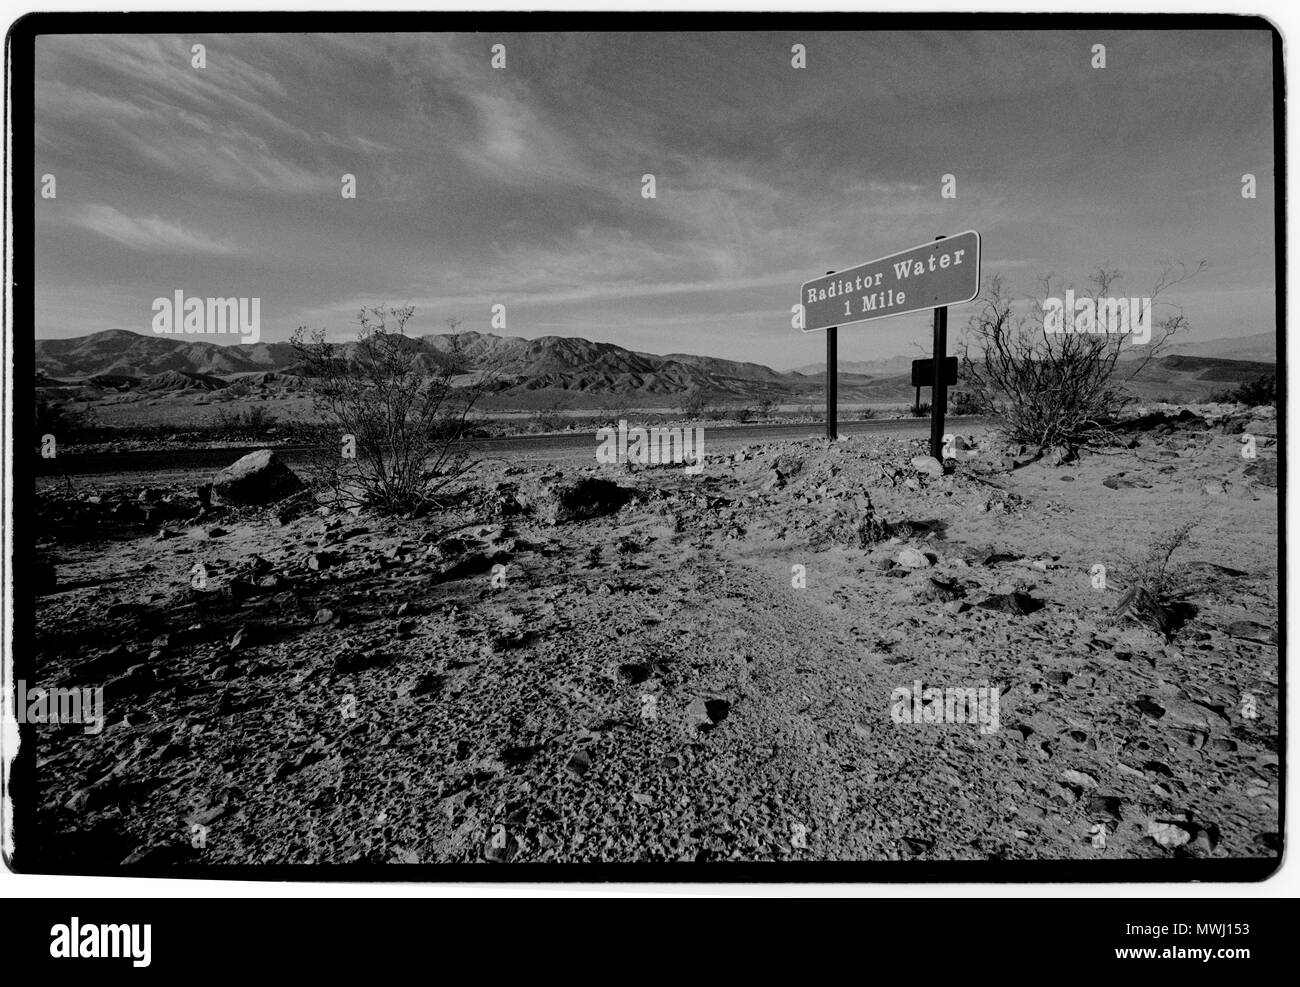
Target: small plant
[(1151, 599), (919, 410)]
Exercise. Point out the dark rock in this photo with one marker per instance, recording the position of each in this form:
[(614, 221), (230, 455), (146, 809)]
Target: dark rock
[(633, 673), (579, 764), (939, 591), (1016, 604), (318, 561), (586, 498)]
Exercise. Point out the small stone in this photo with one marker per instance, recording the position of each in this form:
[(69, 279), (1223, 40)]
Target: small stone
[(1168, 834), (1079, 778), (910, 558), (928, 466), (579, 764)]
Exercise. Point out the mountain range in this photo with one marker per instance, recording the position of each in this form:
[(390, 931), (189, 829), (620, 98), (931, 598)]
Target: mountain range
[(578, 372), (548, 363)]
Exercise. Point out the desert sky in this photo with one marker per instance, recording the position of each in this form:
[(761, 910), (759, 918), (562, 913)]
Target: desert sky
[(523, 185)]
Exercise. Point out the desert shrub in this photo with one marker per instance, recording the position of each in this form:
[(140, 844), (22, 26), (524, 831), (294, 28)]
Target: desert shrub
[(54, 418), (402, 405), (1150, 599), (919, 410), (254, 422), (1261, 390), (549, 418), (1054, 389), (693, 404), (966, 403), (765, 407)]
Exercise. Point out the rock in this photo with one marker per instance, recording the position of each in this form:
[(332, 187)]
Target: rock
[(583, 499), (1060, 455), (258, 478), (1079, 778), (1215, 489), (633, 673), (774, 481), (318, 561), (1016, 604), (1119, 481), (579, 764), (1168, 834), (703, 714), (910, 558), (928, 465), (1249, 630), (939, 591)]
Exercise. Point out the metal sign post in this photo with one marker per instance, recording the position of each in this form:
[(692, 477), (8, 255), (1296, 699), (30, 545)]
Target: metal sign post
[(939, 396), (832, 380)]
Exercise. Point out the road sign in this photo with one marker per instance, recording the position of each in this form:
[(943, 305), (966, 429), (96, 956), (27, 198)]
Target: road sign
[(935, 274), (923, 372)]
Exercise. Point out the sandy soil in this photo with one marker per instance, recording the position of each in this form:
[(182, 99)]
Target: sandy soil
[(707, 673)]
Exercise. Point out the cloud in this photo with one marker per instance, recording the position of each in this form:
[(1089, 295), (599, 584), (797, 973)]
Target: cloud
[(149, 233)]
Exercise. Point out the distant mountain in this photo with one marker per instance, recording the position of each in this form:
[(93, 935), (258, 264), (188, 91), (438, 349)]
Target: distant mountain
[(550, 363), (119, 351), (1260, 347), (871, 368)]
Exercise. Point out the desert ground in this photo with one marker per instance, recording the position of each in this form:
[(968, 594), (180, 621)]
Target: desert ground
[(574, 662)]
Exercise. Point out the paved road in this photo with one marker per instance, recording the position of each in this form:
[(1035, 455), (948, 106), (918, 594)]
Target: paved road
[(715, 439)]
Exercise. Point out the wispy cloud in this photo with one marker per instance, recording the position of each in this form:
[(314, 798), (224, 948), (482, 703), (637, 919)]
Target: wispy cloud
[(149, 233)]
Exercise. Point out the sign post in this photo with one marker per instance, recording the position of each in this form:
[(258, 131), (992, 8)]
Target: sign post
[(832, 381), (933, 275), (939, 394)]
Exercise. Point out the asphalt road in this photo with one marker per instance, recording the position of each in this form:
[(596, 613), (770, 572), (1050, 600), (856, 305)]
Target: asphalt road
[(715, 439)]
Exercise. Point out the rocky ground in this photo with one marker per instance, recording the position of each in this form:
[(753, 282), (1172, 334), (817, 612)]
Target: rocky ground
[(583, 663)]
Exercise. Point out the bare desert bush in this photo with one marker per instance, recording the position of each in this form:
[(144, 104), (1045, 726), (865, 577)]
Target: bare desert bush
[(1058, 389), (398, 412), (919, 410)]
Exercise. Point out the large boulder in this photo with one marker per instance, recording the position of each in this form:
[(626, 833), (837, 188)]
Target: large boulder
[(258, 478)]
